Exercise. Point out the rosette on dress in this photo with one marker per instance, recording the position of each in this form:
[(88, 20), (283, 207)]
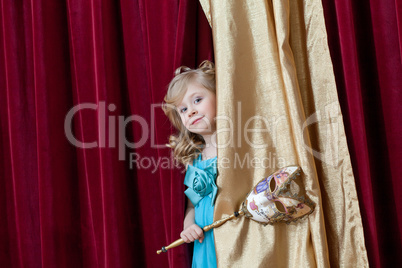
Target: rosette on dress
[(201, 182)]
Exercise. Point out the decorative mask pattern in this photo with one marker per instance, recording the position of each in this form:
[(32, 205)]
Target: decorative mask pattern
[(269, 202)]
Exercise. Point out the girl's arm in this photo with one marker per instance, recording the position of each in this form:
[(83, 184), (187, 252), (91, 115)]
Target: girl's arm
[(189, 215), (191, 231)]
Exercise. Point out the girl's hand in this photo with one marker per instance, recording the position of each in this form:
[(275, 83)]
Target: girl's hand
[(193, 232)]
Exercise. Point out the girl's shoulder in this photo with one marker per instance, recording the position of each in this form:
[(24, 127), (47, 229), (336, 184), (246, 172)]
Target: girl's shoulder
[(194, 161), (188, 164), (199, 161), (191, 163)]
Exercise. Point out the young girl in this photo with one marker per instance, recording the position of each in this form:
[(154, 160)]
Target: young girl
[(190, 104)]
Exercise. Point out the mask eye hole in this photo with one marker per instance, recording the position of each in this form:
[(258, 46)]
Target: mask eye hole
[(272, 184), (280, 207)]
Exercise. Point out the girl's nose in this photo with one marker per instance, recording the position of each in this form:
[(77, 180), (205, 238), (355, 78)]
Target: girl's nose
[(193, 112)]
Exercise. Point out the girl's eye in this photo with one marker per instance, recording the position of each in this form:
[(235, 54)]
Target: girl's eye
[(197, 100), (183, 110)]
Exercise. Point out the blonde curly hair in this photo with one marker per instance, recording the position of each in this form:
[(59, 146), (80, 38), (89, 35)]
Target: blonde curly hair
[(186, 145)]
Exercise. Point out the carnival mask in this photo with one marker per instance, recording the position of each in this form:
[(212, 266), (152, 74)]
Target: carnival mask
[(270, 201)]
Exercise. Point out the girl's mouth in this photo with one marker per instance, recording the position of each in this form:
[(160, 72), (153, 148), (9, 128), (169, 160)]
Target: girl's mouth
[(196, 121)]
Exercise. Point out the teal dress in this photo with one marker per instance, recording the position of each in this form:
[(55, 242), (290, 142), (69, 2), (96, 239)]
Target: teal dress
[(200, 180)]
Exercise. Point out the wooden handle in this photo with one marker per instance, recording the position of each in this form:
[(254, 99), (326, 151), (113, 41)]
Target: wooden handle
[(216, 224), (176, 243), (222, 221)]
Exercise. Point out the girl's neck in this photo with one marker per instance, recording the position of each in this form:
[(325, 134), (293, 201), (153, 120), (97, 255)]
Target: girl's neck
[(210, 147)]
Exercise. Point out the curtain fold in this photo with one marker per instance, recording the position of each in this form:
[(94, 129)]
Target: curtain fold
[(275, 79), (365, 51), (112, 206), (102, 204), (398, 9)]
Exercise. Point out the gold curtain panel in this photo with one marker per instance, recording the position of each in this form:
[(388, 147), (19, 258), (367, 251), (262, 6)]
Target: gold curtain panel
[(278, 106)]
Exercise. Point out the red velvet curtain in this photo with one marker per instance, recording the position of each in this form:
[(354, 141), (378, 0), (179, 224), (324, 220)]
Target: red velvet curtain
[(105, 205), (364, 39), (111, 205)]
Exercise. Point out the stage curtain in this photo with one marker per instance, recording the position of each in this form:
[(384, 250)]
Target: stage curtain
[(365, 44), (105, 205), (276, 90)]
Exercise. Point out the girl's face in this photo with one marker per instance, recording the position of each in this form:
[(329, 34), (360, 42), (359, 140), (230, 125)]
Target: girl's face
[(197, 110)]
